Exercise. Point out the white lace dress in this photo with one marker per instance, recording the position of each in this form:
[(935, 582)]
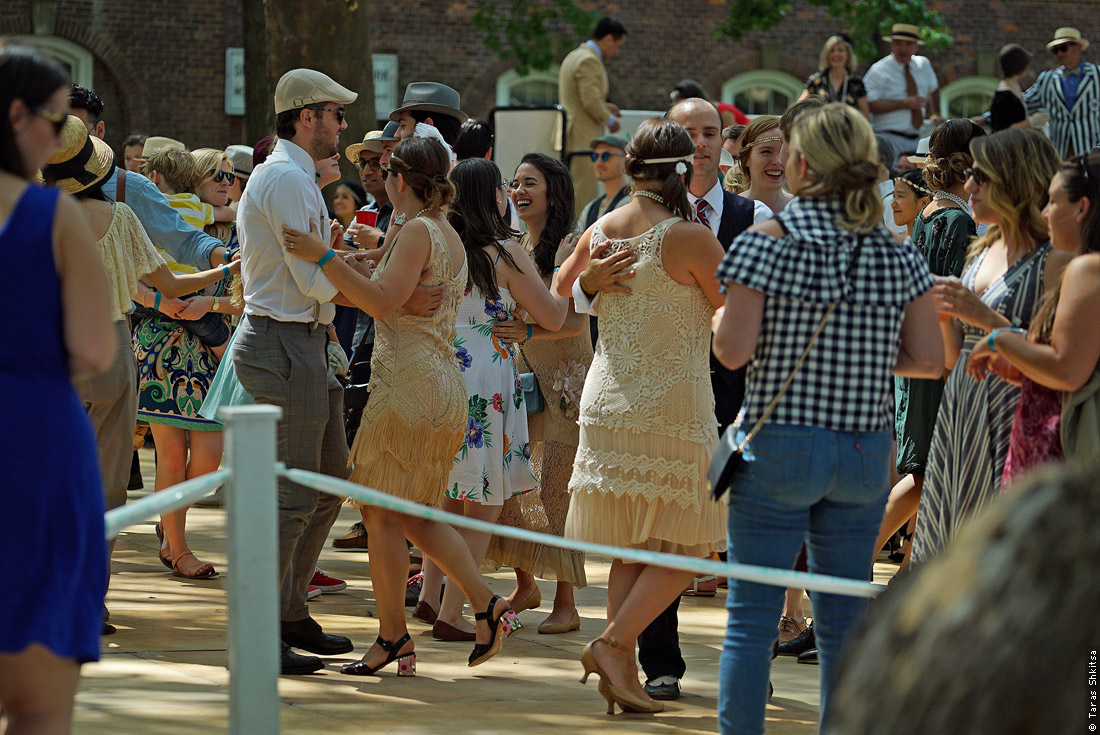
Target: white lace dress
[(647, 426)]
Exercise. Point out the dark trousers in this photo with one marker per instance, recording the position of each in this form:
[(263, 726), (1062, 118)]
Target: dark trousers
[(659, 646)]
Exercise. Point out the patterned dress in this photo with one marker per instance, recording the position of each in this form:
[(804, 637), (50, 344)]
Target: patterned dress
[(647, 426), (942, 238), (494, 461), (560, 365), (417, 413), (850, 92), (971, 439)]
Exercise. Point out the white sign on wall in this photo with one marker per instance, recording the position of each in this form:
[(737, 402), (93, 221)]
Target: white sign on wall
[(234, 81), (385, 84)]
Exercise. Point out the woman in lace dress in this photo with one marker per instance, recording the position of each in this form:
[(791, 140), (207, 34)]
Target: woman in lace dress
[(414, 421), (1008, 271), (647, 426), (543, 193)]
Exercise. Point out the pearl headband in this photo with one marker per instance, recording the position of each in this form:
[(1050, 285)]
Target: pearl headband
[(680, 161), (769, 139)]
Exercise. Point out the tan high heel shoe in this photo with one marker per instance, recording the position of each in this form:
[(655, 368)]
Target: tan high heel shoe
[(627, 700)]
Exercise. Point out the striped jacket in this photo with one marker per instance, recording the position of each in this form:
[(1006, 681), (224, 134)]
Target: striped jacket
[(1079, 127)]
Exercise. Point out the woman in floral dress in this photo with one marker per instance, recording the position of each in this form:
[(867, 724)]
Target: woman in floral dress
[(494, 461)]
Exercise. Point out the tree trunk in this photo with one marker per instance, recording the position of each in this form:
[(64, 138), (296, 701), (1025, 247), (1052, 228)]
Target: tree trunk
[(331, 36)]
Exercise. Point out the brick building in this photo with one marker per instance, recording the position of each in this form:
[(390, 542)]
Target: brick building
[(162, 68)]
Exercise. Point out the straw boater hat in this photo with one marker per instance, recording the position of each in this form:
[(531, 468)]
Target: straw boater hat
[(1068, 35), (430, 97), (904, 32), (372, 141), (81, 161)]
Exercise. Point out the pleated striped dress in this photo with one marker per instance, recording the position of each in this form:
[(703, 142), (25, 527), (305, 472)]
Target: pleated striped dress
[(974, 426)]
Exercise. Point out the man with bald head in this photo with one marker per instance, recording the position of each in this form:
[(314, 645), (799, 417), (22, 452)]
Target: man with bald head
[(727, 215)]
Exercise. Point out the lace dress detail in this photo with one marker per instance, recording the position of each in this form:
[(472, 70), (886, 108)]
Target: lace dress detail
[(127, 255), (414, 421), (647, 415), (560, 366)]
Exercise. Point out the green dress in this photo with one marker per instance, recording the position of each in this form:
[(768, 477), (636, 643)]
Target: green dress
[(943, 238)]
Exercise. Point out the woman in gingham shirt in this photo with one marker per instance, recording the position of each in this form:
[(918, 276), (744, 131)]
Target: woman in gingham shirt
[(817, 471)]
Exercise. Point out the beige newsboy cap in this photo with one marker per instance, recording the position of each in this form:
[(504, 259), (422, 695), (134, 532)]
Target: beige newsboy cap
[(301, 87)]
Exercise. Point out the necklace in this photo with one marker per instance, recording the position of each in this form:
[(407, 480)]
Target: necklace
[(422, 211), (650, 195), (951, 198)]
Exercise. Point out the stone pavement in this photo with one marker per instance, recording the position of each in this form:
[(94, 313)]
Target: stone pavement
[(164, 671)]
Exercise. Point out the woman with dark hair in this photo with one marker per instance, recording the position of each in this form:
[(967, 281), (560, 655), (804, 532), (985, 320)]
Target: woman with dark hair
[(942, 233), (647, 426), (51, 501), (416, 417), (1007, 272), (494, 462), (1008, 109), (1060, 353), (348, 198), (559, 361)]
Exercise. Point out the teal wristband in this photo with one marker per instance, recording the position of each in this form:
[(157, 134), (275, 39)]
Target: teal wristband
[(156, 302), (993, 335), (225, 270), (326, 258), (530, 331)]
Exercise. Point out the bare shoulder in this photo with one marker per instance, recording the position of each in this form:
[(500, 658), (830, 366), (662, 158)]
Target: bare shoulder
[(1085, 266)]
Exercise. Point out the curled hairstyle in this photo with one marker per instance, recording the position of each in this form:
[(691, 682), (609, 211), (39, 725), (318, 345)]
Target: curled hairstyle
[(833, 42), (1081, 179), (476, 219), (207, 161), (27, 75), (424, 165), (949, 154), (1020, 163), (559, 219), (660, 137), (752, 133), (840, 151)]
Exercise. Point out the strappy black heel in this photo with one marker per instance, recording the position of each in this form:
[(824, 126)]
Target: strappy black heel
[(507, 624), (406, 665)]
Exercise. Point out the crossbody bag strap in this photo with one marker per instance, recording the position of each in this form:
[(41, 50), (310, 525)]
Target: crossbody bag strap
[(120, 186)]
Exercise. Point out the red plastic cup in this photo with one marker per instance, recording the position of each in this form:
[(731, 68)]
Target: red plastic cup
[(363, 217)]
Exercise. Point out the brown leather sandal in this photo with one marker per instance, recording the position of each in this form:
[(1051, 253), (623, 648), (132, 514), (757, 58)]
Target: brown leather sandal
[(205, 570)]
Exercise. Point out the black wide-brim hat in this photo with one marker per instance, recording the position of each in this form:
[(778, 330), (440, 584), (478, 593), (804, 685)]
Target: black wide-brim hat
[(431, 97)]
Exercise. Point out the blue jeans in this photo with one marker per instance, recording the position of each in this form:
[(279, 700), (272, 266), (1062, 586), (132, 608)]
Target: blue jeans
[(798, 483)]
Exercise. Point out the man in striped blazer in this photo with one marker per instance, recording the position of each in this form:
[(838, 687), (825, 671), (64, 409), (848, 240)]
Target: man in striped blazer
[(1071, 94)]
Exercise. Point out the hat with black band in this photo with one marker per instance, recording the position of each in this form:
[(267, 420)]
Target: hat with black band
[(81, 161)]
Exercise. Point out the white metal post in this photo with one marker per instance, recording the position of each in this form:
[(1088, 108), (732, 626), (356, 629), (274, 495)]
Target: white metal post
[(252, 504)]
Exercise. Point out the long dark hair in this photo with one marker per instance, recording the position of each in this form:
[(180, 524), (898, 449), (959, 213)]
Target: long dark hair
[(27, 75), (476, 219), (561, 199)]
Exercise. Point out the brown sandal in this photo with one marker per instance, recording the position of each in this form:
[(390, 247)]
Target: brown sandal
[(205, 570), (165, 558)]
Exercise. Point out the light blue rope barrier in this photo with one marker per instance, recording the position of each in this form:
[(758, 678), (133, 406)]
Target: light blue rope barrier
[(165, 501), (746, 572)]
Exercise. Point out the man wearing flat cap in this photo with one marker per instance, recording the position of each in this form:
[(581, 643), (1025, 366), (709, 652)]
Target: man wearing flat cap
[(1071, 94), (901, 89), (279, 355), (609, 166)]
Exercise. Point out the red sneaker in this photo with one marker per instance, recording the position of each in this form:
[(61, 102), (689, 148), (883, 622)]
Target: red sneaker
[(312, 593), (326, 583)]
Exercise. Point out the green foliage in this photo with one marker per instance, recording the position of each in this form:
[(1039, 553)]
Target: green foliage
[(866, 20), (528, 33)]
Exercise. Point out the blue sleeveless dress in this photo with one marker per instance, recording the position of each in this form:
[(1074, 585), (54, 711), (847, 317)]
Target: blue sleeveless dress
[(53, 555)]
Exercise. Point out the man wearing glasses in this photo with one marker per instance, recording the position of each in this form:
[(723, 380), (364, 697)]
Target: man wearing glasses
[(609, 164), (1071, 94), (280, 356)]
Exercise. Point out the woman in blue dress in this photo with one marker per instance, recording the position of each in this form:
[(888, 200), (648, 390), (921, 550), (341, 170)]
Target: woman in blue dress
[(48, 490)]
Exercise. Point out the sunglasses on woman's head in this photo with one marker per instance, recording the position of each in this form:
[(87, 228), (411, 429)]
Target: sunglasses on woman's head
[(56, 117), (605, 156), (219, 176), (384, 171), (980, 177)]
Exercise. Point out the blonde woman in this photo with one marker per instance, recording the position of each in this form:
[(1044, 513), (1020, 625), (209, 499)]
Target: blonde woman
[(762, 165), (817, 470), (1007, 272), (835, 80)]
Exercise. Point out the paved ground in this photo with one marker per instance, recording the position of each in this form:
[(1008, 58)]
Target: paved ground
[(164, 671)]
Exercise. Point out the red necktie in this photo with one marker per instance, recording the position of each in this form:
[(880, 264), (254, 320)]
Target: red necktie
[(701, 213)]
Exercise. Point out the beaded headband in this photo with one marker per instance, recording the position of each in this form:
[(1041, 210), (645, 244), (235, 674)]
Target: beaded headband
[(919, 188), (769, 139), (680, 161)]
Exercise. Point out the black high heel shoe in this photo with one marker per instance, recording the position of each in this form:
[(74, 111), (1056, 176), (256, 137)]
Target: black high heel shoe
[(406, 665), (507, 623)]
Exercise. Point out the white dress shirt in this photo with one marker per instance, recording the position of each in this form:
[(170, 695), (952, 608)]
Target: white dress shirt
[(715, 205), (283, 191), (885, 80)]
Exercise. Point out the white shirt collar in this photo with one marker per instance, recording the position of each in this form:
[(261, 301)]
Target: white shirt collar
[(714, 198), (595, 48), (296, 154)]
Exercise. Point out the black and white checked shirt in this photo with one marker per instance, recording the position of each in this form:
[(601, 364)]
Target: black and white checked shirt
[(846, 383)]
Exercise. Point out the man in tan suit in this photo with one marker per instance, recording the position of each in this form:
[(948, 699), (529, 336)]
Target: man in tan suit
[(582, 89)]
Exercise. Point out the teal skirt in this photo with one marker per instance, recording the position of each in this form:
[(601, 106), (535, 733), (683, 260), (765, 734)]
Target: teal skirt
[(225, 390)]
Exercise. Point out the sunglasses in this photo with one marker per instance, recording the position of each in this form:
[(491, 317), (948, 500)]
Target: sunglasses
[(218, 176), (1060, 49), (384, 171), (56, 117), (340, 111), (374, 164), (605, 156), (980, 177)]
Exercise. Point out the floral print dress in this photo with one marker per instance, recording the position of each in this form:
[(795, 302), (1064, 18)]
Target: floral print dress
[(494, 461)]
